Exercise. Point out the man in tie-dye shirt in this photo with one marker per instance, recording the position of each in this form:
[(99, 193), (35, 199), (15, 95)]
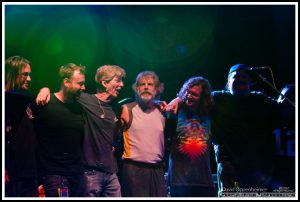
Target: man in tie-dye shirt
[(189, 172)]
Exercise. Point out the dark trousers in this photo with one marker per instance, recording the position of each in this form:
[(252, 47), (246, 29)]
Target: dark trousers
[(143, 180), (192, 191), (22, 188), (62, 186), (237, 179)]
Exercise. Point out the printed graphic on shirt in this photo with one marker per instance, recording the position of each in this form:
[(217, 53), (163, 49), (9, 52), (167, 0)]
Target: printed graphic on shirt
[(193, 136)]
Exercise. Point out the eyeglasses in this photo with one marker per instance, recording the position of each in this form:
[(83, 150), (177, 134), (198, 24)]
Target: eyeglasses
[(26, 74)]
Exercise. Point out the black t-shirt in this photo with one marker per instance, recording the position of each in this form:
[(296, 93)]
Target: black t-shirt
[(59, 127), (243, 126), (100, 133)]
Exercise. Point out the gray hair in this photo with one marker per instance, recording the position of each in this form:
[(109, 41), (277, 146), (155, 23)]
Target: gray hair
[(149, 74)]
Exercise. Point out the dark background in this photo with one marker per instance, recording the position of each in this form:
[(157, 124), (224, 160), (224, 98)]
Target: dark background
[(175, 41)]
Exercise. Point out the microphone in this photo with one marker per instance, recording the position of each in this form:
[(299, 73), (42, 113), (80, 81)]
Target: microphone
[(258, 68)]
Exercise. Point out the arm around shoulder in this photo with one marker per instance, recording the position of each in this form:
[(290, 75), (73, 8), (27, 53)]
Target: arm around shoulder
[(173, 105), (43, 96)]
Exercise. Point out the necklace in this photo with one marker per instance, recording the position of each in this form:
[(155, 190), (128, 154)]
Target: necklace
[(102, 115)]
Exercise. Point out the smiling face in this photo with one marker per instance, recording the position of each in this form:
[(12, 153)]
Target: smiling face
[(113, 86), (75, 85), (109, 80), (24, 78), (193, 96)]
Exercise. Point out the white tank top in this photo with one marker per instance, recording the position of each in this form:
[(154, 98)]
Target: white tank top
[(144, 140)]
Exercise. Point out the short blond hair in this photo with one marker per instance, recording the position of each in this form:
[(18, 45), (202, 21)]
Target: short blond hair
[(107, 73), (67, 70)]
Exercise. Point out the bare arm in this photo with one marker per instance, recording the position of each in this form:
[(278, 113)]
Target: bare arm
[(173, 105), (124, 116)]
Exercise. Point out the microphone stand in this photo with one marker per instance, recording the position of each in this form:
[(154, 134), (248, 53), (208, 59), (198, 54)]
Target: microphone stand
[(274, 88)]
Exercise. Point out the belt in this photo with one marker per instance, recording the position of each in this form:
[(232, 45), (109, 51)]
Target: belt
[(159, 164)]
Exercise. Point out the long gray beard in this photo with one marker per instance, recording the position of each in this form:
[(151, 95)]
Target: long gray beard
[(145, 102)]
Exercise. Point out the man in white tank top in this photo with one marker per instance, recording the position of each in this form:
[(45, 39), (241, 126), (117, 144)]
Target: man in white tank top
[(143, 133)]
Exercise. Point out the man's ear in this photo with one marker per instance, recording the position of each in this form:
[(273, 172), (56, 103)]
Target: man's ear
[(66, 82), (104, 83)]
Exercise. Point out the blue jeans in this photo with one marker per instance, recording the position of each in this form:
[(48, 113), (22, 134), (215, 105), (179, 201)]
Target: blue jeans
[(62, 186), (99, 183)]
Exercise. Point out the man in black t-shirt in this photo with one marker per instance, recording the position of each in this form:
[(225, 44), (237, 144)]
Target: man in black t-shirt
[(242, 127), (59, 127)]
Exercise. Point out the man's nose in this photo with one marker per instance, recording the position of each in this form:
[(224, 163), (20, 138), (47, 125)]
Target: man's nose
[(28, 78)]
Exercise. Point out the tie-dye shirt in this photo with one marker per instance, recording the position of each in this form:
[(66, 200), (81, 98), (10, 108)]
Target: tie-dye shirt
[(189, 163)]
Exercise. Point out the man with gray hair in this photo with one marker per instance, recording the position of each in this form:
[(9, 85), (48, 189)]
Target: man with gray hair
[(100, 133), (143, 133)]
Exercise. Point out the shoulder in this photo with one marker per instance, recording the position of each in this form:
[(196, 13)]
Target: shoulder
[(261, 95), (87, 99), (38, 108), (16, 101), (256, 93), (85, 96), (130, 105), (22, 97), (220, 93), (126, 114), (264, 101), (125, 108)]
